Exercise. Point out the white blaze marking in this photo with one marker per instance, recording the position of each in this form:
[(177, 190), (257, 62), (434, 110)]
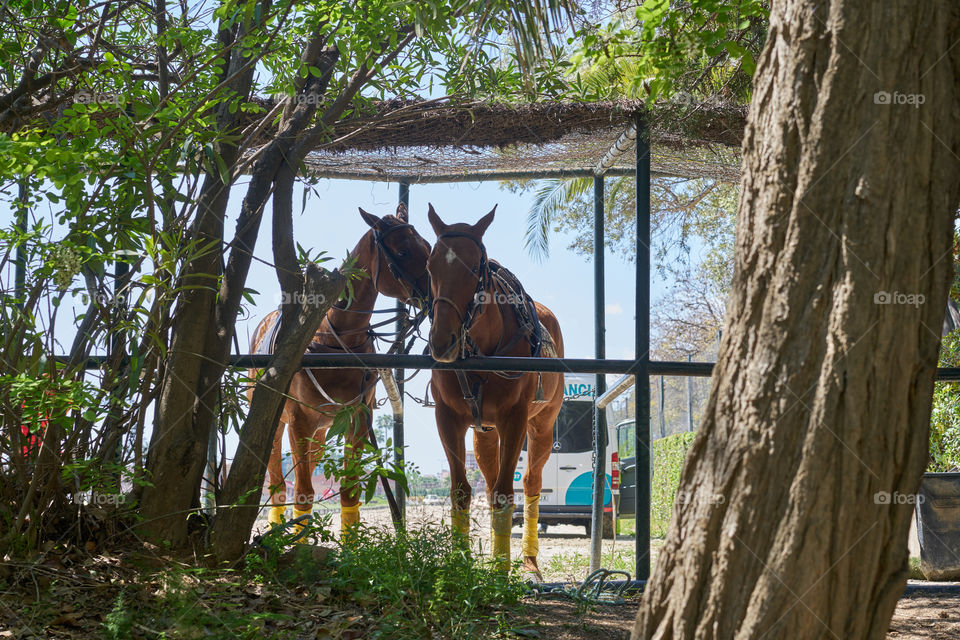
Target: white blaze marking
[(451, 256)]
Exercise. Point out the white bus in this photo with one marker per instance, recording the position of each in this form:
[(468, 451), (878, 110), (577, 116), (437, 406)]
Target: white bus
[(567, 493)]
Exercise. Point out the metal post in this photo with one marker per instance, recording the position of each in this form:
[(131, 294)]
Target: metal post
[(404, 193), (663, 418), (20, 265), (642, 346), (689, 399), (599, 415)]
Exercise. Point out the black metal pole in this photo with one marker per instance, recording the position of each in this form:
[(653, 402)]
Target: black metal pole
[(689, 399), (600, 415), (20, 264), (398, 433), (486, 363), (642, 346)]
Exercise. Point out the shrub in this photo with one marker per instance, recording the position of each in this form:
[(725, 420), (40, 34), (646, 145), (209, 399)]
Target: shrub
[(945, 416), (423, 583), (668, 456)]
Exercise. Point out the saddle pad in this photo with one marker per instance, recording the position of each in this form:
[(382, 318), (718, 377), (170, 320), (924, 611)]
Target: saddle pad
[(269, 338)]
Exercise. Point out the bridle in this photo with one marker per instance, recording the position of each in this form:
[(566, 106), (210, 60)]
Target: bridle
[(469, 316), (409, 284)]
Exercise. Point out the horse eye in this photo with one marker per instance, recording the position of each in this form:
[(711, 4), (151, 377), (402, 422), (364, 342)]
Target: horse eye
[(402, 254)]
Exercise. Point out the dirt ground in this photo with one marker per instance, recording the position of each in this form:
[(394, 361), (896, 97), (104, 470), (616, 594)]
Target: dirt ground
[(925, 612)]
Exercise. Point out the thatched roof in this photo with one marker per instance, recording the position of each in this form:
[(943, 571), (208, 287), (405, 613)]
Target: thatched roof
[(440, 142)]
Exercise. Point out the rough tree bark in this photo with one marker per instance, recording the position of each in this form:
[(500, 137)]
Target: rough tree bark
[(185, 405), (203, 328), (240, 500), (794, 522)]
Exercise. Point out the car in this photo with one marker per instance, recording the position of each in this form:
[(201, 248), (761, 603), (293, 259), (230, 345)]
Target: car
[(432, 500)]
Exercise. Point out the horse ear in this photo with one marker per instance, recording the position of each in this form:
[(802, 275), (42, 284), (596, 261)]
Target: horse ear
[(438, 225), (481, 227), (371, 220), (402, 212)]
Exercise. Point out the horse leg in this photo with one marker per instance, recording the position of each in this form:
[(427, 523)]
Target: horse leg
[(452, 433), (539, 447), (512, 428), (486, 447), (304, 449), (278, 484), (350, 486)]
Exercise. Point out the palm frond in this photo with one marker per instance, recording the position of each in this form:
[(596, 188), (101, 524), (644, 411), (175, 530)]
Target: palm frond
[(551, 197)]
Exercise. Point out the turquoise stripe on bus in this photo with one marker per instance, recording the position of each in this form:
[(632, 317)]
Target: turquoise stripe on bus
[(580, 491)]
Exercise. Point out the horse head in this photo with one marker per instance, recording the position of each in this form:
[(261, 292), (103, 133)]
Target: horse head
[(398, 266), (458, 278)]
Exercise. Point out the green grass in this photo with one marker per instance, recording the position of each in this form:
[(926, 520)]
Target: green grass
[(574, 565)]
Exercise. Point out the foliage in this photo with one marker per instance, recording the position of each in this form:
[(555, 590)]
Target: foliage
[(945, 416), (660, 49), (111, 128), (424, 582), (668, 456)]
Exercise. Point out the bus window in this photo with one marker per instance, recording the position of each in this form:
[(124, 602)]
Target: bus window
[(575, 427)]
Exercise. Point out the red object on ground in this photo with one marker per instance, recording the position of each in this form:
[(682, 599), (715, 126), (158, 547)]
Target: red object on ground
[(33, 439)]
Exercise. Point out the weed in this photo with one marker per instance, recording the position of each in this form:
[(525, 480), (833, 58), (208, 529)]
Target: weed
[(424, 583)]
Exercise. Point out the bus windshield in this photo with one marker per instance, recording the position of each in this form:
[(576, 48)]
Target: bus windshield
[(575, 427)]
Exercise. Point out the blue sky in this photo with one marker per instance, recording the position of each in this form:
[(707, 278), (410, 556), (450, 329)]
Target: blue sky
[(332, 223)]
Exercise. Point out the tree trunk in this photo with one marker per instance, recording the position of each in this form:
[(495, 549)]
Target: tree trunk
[(203, 327), (815, 435), (241, 495)]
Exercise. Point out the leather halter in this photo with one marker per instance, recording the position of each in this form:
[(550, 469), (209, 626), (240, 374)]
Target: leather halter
[(469, 315), (529, 325), (407, 282)]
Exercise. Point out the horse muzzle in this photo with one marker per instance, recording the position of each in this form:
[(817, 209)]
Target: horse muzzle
[(448, 353)]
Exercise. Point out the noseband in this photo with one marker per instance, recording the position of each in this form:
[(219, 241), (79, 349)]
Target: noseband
[(409, 284)]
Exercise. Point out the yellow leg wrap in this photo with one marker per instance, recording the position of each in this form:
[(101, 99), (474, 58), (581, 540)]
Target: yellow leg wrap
[(297, 528), (460, 519), (529, 546), (501, 523), (276, 514), (349, 516), (297, 512)]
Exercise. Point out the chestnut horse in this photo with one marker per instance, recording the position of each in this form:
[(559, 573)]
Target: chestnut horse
[(394, 256), (478, 308)]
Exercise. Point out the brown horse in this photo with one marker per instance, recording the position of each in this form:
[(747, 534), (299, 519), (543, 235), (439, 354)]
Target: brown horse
[(479, 308), (394, 256)]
